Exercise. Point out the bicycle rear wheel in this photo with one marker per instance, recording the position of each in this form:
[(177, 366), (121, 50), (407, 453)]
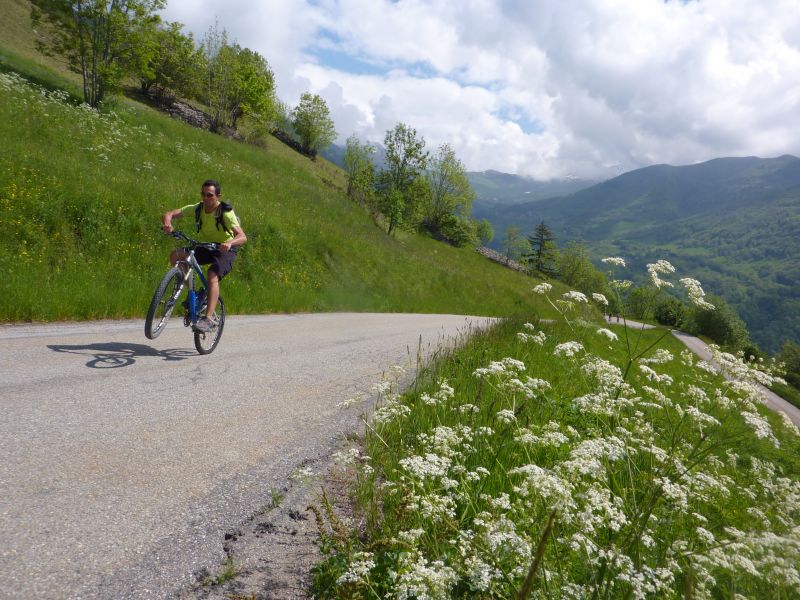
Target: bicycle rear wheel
[(205, 342), (163, 303)]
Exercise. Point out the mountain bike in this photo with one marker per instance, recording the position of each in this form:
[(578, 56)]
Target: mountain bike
[(168, 293)]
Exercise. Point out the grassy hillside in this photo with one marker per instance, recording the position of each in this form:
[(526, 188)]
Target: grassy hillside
[(81, 194), (733, 223)]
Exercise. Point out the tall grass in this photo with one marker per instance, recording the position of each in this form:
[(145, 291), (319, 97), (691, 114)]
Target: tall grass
[(568, 460), (82, 192)]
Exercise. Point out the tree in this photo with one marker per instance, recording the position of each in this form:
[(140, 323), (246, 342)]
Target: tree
[(238, 81), (575, 268), (513, 243), (175, 65), (312, 122), (99, 38), (485, 231), (451, 194), (406, 160), (359, 168), (543, 255), (253, 87), (722, 324), (670, 311), (790, 356)]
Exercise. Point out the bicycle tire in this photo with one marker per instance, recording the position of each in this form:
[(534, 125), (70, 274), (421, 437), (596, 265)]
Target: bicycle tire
[(163, 303), (205, 342)]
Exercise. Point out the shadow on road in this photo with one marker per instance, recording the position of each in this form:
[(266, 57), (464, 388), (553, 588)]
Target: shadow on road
[(111, 355)]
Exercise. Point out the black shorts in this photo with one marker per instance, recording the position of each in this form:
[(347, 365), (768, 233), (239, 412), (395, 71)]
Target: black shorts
[(221, 262)]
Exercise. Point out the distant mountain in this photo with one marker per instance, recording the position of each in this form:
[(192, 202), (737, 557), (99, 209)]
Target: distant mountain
[(733, 223), (493, 187)]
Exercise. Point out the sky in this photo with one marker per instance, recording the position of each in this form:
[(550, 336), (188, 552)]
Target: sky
[(540, 88)]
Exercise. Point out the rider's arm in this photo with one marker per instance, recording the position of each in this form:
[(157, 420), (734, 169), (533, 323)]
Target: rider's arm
[(168, 216), (239, 238)]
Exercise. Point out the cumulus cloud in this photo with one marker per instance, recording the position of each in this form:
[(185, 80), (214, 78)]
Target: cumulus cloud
[(546, 89)]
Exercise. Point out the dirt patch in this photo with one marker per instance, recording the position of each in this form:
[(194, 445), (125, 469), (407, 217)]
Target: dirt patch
[(272, 554)]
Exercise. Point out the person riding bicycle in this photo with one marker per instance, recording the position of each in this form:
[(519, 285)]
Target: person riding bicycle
[(216, 222)]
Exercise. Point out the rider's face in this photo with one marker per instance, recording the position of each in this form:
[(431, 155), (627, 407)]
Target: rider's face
[(209, 195)]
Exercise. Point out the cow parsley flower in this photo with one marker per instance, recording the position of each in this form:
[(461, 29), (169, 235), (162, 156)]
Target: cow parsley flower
[(696, 293), (358, 570), (542, 288), (615, 261), (576, 297), (568, 349), (608, 333), (600, 299)]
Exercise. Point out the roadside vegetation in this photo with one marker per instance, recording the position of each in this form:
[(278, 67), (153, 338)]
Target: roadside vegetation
[(571, 460)]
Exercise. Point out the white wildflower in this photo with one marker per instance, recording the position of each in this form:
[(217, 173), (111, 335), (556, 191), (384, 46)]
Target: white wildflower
[(568, 349), (543, 288), (359, 568), (600, 299), (614, 261), (660, 356), (576, 297), (760, 426), (608, 333), (424, 580), (506, 416), (696, 293)]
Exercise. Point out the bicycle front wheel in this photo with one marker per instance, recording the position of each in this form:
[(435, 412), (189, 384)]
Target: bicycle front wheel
[(163, 303), (206, 341)]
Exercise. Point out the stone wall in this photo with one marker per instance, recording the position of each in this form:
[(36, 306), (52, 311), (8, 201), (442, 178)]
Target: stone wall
[(502, 259)]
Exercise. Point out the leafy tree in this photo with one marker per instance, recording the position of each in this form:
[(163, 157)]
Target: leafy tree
[(174, 66), (312, 122), (360, 170), (254, 87), (790, 356), (99, 39), (513, 243), (640, 303), (575, 268), (722, 324), (238, 81), (400, 183), (451, 194), (670, 311), (460, 231), (543, 255), (485, 231)]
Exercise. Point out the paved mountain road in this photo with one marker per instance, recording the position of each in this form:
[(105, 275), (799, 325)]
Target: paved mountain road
[(126, 460)]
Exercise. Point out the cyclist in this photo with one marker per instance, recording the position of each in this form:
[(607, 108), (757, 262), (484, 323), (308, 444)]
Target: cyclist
[(215, 222)]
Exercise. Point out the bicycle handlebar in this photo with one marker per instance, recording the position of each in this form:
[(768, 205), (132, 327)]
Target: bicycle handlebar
[(194, 243)]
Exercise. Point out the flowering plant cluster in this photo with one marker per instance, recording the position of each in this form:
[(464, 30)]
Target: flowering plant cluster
[(559, 471)]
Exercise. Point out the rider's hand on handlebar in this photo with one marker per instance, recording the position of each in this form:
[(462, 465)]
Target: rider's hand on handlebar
[(168, 228)]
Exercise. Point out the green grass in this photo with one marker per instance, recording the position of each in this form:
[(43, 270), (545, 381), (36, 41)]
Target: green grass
[(81, 194), (656, 488), (788, 393)]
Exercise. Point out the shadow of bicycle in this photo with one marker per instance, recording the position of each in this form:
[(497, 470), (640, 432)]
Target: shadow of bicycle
[(112, 355)]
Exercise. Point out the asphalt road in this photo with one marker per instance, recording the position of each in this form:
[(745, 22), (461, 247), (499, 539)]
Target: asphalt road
[(126, 460), (771, 399), (700, 348)]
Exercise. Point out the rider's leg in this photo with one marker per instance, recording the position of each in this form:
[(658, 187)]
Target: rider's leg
[(213, 292), (176, 255)]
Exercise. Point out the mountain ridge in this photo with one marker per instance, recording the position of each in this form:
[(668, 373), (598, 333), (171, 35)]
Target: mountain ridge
[(732, 222)]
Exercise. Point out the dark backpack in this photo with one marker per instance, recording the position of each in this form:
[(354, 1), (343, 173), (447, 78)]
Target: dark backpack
[(221, 210)]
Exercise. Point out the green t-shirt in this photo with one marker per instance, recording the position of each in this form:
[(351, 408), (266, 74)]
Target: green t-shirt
[(208, 224)]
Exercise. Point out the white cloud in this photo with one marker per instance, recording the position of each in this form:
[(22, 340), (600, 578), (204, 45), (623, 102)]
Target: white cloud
[(595, 86)]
